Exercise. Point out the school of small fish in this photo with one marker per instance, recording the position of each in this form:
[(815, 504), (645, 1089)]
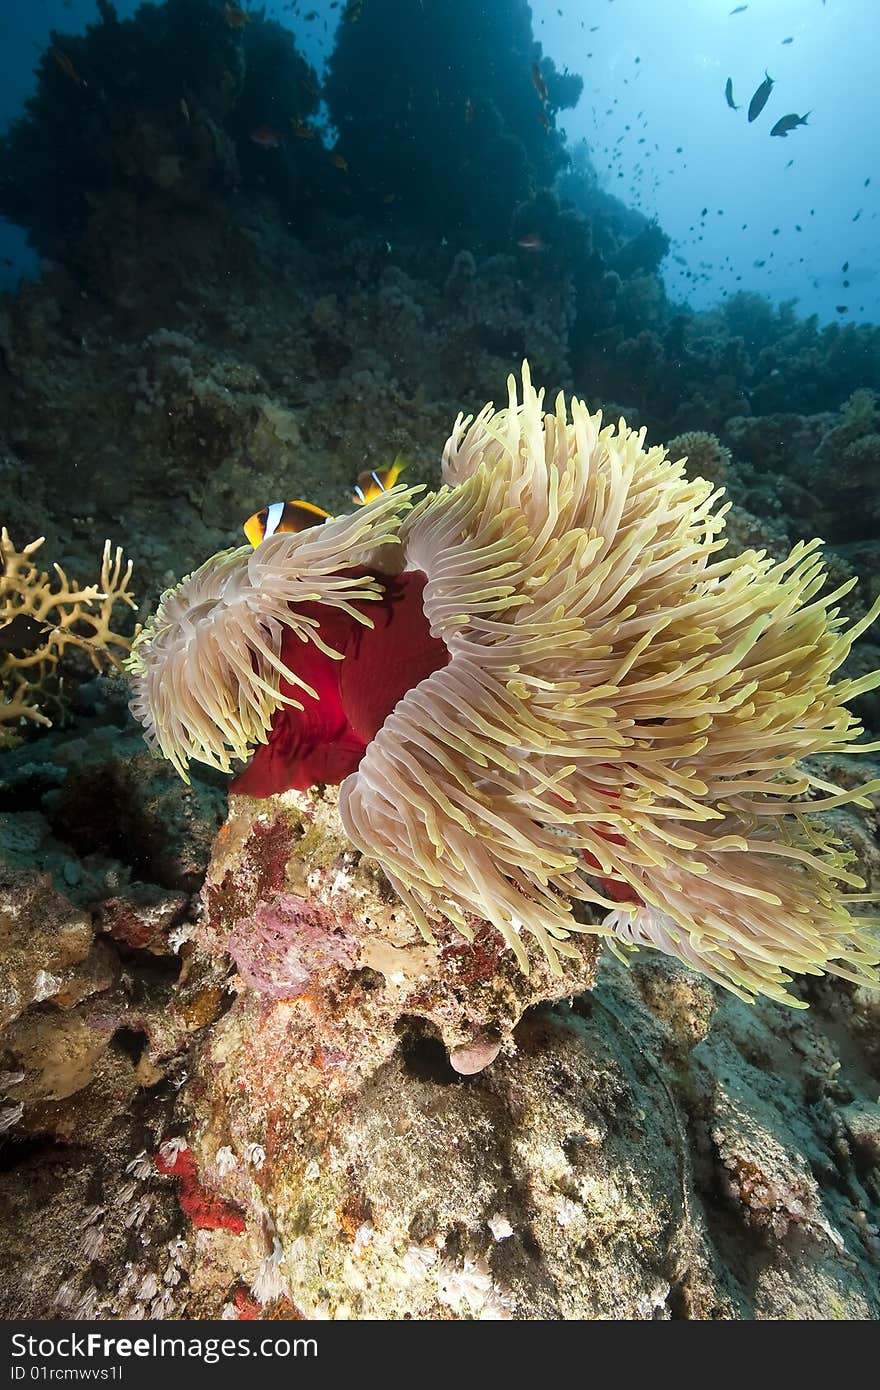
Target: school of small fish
[(533, 243)]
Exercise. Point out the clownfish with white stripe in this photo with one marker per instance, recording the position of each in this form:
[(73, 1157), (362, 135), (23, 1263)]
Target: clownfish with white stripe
[(292, 517), (281, 517), (371, 484)]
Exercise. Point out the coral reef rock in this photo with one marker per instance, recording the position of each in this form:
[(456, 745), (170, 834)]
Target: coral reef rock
[(280, 1101), (383, 1127)]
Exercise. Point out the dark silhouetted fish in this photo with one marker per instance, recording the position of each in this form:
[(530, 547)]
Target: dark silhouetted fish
[(23, 633), (788, 41), (739, 9), (842, 308), (66, 65), (786, 124), (235, 16), (760, 98), (728, 92), (267, 137)]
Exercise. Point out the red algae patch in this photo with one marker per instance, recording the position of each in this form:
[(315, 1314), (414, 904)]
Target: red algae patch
[(205, 1211)]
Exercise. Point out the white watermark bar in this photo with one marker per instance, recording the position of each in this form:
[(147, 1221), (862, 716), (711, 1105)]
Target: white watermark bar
[(131, 1355)]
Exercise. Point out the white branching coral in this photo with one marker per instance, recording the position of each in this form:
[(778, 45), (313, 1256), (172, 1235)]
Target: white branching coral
[(46, 615)]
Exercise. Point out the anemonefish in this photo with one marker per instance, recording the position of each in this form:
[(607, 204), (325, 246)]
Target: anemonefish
[(372, 484), (283, 517), (293, 517)]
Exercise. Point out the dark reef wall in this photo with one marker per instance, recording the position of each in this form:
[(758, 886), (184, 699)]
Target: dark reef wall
[(446, 111), (254, 285)]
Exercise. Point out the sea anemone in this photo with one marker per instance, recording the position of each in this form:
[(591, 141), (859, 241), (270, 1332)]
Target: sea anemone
[(543, 685)]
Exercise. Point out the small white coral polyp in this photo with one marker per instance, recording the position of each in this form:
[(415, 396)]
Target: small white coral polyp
[(619, 719)]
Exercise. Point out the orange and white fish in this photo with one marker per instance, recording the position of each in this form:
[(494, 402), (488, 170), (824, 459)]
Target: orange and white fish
[(283, 518), (371, 484), (291, 518)]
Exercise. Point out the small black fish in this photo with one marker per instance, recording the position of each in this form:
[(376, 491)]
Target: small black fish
[(739, 9), (867, 181), (786, 124), (728, 92), (845, 267), (842, 308), (23, 633), (858, 215), (789, 164), (788, 41), (761, 96)]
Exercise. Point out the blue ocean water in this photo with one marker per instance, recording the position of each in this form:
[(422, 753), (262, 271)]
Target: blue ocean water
[(782, 215)]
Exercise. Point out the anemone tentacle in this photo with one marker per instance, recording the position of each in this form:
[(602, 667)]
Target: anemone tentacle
[(207, 666), (618, 696)]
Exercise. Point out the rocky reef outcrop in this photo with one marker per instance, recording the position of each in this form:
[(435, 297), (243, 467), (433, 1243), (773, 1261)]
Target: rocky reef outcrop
[(275, 1099)]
